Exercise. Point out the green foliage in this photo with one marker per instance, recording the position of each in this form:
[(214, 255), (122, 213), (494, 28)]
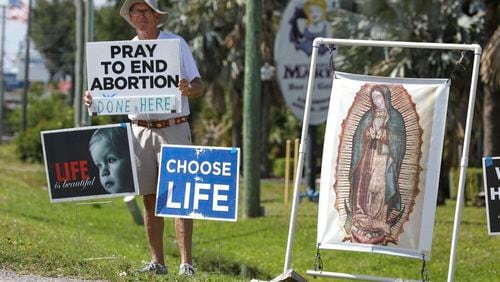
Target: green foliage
[(110, 26), (279, 167), (417, 21), (206, 25), (215, 31), (473, 182), (284, 125), (45, 112), (53, 32)]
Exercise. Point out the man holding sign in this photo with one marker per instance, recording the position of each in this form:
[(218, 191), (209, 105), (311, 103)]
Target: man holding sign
[(154, 129)]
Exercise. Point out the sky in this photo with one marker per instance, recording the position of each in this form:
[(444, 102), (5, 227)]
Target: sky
[(15, 34)]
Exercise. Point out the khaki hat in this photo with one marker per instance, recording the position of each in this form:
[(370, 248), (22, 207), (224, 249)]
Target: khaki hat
[(125, 10)]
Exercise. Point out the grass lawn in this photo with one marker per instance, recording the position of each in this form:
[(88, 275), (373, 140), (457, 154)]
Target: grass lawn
[(57, 239)]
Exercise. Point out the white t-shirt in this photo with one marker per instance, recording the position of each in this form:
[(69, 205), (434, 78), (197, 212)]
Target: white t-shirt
[(189, 71)]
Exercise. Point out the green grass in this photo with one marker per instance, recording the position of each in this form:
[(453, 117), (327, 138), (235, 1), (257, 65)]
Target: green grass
[(55, 239)]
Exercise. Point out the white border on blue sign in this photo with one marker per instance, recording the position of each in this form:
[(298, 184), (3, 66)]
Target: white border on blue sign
[(201, 147)]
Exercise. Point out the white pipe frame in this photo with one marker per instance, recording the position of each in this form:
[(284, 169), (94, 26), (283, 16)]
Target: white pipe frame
[(468, 127)]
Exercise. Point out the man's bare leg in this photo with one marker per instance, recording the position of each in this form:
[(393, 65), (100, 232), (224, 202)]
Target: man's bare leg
[(154, 229), (184, 234)]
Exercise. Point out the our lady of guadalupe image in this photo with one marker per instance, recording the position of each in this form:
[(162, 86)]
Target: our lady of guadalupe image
[(378, 164)]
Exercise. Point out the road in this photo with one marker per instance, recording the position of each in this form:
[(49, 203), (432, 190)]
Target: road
[(12, 276)]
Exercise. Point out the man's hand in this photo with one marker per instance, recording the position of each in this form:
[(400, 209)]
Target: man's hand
[(193, 89), (87, 99)]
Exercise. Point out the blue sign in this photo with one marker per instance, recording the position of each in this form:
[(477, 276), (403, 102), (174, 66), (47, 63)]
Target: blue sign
[(198, 182)]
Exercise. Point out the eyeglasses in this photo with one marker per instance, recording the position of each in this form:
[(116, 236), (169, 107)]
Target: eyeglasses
[(139, 12)]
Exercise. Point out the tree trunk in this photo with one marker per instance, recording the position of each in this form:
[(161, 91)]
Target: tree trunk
[(251, 110), (490, 75), (491, 122)]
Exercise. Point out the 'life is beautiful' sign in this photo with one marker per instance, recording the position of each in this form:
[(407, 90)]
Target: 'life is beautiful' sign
[(198, 182), (89, 162), (140, 76)]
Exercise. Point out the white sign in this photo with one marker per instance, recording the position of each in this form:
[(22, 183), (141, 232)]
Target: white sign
[(381, 162), (301, 23), (139, 76)]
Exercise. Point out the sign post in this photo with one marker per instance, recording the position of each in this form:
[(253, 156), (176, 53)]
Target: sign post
[(491, 173)]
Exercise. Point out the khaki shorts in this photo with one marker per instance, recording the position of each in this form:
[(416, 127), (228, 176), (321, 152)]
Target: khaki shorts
[(147, 149)]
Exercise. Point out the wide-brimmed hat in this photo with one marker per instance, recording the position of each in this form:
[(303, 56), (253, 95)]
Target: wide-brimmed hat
[(125, 10)]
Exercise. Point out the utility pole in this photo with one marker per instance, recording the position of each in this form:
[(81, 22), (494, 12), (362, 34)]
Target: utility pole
[(89, 37), (2, 78), (26, 73), (78, 79), (84, 33), (251, 110)]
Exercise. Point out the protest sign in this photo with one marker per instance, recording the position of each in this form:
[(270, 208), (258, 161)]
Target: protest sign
[(381, 162), (89, 162), (491, 174), (198, 182), (139, 76)]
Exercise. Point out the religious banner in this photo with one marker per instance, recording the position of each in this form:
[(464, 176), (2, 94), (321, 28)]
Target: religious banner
[(198, 182), (381, 162), (89, 162), (491, 176), (140, 76), (301, 23)]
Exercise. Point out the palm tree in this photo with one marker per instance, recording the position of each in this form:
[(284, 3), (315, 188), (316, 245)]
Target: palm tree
[(490, 76), (215, 30), (420, 21)]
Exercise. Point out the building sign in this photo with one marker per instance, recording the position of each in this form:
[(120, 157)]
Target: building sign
[(491, 173), (89, 162), (301, 23), (139, 76), (198, 182)]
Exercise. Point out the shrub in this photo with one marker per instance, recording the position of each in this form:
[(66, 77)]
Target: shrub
[(279, 165), (45, 112), (473, 182)]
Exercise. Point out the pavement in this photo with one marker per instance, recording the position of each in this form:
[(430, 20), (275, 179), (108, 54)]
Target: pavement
[(12, 276)]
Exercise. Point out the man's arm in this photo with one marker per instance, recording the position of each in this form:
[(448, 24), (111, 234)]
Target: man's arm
[(193, 89)]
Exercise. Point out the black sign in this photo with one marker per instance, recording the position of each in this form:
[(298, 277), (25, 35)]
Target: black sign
[(491, 170), (89, 162)]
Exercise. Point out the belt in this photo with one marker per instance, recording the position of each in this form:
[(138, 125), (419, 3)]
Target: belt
[(160, 123)]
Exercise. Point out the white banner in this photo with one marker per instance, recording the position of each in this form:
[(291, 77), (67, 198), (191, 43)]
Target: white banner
[(134, 76), (381, 162)]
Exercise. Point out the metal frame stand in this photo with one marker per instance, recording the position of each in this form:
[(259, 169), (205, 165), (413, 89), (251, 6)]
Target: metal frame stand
[(465, 153)]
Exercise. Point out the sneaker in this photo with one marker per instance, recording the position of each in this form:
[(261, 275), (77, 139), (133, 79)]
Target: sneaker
[(153, 267), (185, 269)]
